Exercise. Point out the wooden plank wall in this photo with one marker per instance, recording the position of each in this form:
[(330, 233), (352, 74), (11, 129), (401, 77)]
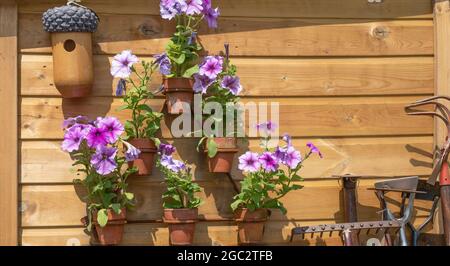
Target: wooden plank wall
[(341, 70)]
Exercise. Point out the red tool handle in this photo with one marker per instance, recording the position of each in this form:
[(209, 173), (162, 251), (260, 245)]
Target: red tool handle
[(444, 179)]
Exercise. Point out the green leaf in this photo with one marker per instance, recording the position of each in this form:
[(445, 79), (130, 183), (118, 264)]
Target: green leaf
[(236, 204), (129, 195), (212, 148), (191, 71), (116, 208), (102, 217), (179, 60), (121, 108)]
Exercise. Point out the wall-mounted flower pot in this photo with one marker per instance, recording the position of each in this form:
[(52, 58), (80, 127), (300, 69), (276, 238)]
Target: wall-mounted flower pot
[(222, 162), (181, 224), (112, 233), (178, 92), (251, 225), (71, 29), (146, 158)]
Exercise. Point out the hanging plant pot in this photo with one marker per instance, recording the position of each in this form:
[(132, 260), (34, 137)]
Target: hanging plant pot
[(222, 162), (181, 225), (71, 29), (146, 158), (112, 233), (178, 92), (251, 225)]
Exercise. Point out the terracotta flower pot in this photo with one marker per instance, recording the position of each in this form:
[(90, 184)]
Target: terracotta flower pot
[(251, 225), (146, 159), (181, 225), (112, 233), (223, 161), (178, 91)]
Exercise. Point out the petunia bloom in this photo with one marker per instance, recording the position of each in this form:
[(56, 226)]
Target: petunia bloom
[(121, 87), (292, 157), (132, 153), (170, 8), (166, 149), (314, 149), (211, 16), (97, 137), (74, 120), (201, 83), (112, 128), (193, 7), (268, 162), (248, 162), (122, 63), (287, 138), (232, 83), (104, 160), (171, 164), (163, 62), (266, 128), (211, 67), (72, 139)]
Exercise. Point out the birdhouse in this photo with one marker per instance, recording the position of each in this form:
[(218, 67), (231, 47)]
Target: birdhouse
[(71, 27)]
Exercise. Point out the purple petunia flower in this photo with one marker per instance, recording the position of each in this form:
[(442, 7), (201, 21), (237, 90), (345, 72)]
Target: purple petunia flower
[(268, 162), (72, 139), (170, 8), (280, 153), (166, 149), (104, 160), (112, 127), (266, 127), (97, 137), (193, 7), (201, 83), (163, 61), (74, 120), (211, 67), (232, 83), (171, 164), (314, 149), (122, 63), (292, 157), (132, 153), (248, 162), (287, 139), (206, 4), (121, 86), (211, 16)]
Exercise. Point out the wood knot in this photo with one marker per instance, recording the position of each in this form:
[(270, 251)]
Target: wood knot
[(147, 30), (380, 32)]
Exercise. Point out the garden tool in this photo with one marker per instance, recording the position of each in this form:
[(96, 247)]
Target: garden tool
[(407, 186), (345, 230), (440, 164)]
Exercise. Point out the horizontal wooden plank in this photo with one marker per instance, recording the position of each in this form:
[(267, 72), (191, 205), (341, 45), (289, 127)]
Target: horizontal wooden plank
[(265, 8), (60, 205), (353, 116), (252, 36), (44, 161), (259, 76)]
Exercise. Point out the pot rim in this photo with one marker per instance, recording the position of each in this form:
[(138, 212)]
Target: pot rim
[(178, 221), (252, 220)]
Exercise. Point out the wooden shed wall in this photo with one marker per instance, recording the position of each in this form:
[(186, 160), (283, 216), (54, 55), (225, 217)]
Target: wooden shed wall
[(341, 70)]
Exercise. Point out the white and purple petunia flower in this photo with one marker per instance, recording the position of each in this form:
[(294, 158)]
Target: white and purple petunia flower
[(112, 128), (193, 7), (166, 149), (314, 149), (97, 137), (168, 162), (268, 162), (292, 157), (163, 62), (69, 122), (122, 63), (211, 15), (249, 162), (104, 160), (266, 128), (232, 83), (72, 139), (211, 67), (201, 83), (288, 139), (170, 8), (132, 153)]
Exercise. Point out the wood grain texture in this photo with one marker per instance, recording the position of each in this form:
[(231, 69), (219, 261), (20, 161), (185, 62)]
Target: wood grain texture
[(44, 161), (148, 35), (42, 117), (259, 76), (265, 8), (8, 118), (61, 205)]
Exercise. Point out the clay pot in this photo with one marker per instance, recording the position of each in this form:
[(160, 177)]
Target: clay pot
[(178, 91), (146, 158), (251, 225), (223, 161), (73, 70), (112, 233), (181, 225)]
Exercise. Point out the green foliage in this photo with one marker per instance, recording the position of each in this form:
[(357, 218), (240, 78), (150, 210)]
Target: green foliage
[(145, 122), (103, 191), (180, 189), (183, 48)]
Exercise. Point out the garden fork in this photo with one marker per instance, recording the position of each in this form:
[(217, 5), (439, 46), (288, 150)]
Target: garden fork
[(440, 165)]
